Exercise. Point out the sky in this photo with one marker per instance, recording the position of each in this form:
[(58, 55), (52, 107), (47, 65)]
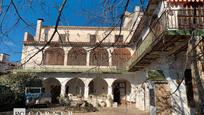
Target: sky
[(75, 13)]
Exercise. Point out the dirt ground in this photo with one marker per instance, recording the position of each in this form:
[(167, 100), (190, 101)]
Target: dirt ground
[(122, 110), (116, 111)]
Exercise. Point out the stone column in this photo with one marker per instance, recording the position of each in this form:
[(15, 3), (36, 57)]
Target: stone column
[(65, 58), (86, 92), (110, 91), (63, 88), (66, 51), (87, 58), (110, 57), (110, 82)]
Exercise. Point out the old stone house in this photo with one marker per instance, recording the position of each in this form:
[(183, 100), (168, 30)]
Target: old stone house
[(86, 62), (77, 62)]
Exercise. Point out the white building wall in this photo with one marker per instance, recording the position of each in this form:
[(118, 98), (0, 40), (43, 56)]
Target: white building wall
[(63, 78), (178, 99), (82, 34), (30, 51)]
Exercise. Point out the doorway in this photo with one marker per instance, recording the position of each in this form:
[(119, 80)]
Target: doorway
[(121, 89), (116, 94), (189, 88)]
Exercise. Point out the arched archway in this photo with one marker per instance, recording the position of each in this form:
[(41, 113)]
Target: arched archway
[(120, 57), (98, 86), (53, 56), (121, 89), (52, 87), (75, 87), (76, 56), (99, 56)]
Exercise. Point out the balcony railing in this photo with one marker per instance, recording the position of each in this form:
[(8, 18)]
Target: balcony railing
[(57, 68), (184, 18), (180, 19)]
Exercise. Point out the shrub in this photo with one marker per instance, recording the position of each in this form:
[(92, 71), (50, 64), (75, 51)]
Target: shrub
[(12, 88)]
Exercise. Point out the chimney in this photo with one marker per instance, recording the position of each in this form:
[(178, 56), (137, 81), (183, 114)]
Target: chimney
[(38, 29), (127, 19), (136, 17), (25, 36)]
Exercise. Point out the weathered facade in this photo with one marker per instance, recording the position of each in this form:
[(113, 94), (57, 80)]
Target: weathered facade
[(86, 62), (98, 62), (165, 44)]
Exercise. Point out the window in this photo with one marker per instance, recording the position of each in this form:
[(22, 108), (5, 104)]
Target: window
[(62, 38), (118, 38), (93, 38)]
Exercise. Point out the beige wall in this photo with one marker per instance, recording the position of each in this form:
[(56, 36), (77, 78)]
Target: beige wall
[(82, 34)]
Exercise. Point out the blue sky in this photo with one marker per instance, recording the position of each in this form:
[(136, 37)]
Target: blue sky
[(75, 13)]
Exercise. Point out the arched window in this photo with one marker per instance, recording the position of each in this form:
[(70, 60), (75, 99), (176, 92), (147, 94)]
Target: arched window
[(76, 56), (120, 56), (54, 56), (99, 56)]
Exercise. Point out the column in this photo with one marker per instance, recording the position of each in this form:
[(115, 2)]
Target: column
[(110, 57), (110, 90), (63, 88), (65, 58), (110, 82), (87, 58), (86, 92)]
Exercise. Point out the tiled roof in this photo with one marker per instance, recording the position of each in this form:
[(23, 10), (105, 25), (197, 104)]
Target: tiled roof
[(180, 1)]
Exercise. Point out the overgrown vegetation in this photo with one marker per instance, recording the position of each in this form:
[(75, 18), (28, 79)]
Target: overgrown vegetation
[(12, 88), (156, 75)]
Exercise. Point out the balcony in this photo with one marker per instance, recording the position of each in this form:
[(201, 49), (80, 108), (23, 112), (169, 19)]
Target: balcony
[(72, 69), (167, 34)]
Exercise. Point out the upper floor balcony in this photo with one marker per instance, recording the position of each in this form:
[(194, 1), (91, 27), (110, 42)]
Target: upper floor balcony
[(76, 59), (167, 34)]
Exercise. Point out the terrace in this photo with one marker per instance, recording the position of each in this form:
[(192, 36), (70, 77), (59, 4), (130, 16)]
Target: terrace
[(167, 34)]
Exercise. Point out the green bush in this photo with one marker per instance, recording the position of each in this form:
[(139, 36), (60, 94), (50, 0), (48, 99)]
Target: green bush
[(12, 88), (7, 98)]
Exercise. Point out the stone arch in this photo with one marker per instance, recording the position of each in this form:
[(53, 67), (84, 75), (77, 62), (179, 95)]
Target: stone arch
[(76, 56), (98, 86), (52, 87), (120, 57), (99, 56), (53, 56), (121, 89), (75, 86)]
